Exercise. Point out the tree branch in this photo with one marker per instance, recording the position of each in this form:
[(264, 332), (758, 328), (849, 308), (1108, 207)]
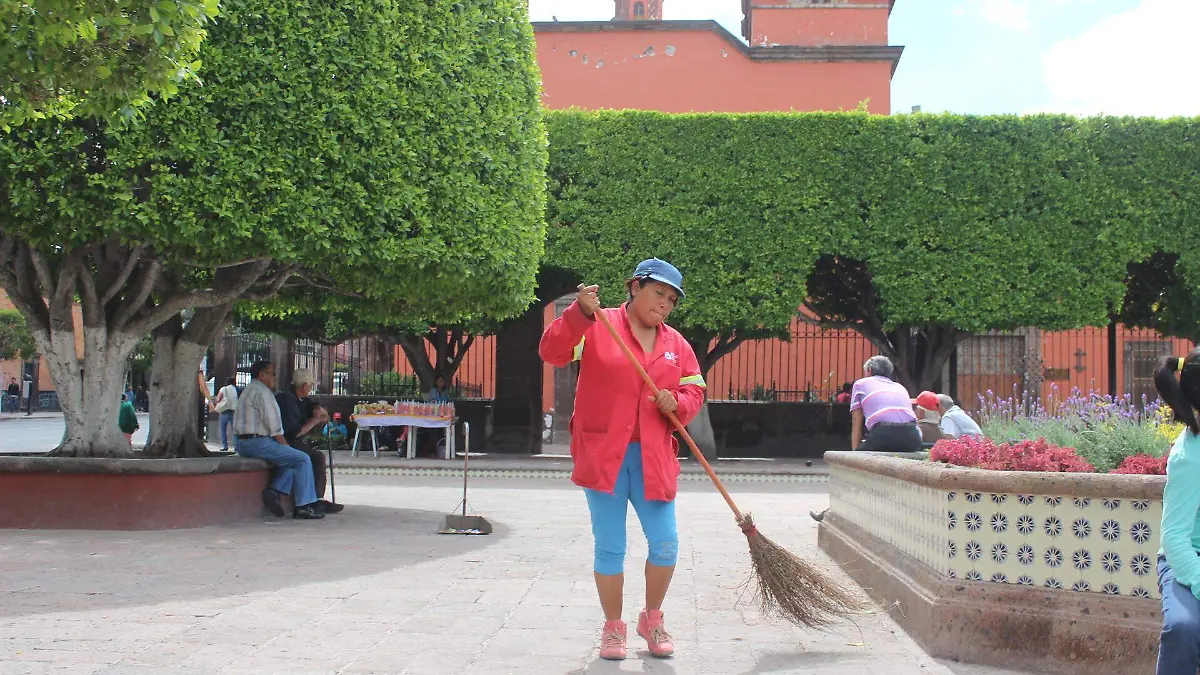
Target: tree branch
[(131, 261), (325, 285), (134, 304), (44, 275), (273, 285), (89, 301), (218, 266)]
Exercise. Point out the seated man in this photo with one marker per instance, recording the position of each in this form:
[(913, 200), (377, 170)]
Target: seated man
[(927, 418), (300, 416), (259, 429), (955, 421)]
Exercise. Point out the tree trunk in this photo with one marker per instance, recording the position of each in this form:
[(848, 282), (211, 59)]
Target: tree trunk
[(709, 348), (918, 354), (89, 391), (701, 431), (174, 399), (174, 390)]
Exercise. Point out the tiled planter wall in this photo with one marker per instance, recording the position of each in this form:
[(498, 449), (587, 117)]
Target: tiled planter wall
[(1076, 532)]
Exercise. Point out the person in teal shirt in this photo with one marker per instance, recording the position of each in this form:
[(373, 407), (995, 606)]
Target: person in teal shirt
[(128, 420), (1177, 380)]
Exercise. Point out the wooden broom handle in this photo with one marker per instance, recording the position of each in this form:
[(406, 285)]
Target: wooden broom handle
[(674, 420)]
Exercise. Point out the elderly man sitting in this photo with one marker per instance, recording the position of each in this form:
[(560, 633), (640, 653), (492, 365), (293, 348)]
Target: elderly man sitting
[(302, 417), (927, 418), (260, 435), (955, 421)]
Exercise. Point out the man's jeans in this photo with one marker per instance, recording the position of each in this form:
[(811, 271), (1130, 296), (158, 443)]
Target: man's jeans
[(1179, 646), (295, 469), (226, 423)]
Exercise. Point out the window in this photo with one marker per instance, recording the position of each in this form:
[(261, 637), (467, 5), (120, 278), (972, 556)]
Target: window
[(639, 10)]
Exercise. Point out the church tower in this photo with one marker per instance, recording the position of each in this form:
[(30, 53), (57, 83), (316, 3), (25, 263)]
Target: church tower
[(639, 10)]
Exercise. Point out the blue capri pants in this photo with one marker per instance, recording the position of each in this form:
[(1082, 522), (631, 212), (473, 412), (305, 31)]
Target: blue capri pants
[(609, 512)]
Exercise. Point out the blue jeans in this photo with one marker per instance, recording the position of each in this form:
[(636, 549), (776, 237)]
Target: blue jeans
[(226, 421), (608, 519), (1179, 646), (294, 476)]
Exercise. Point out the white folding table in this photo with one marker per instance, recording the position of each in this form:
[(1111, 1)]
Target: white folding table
[(372, 422)]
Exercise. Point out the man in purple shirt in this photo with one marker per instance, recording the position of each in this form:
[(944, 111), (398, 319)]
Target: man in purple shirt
[(884, 409)]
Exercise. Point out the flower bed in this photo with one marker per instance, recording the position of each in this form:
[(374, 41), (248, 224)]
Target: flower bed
[(1081, 432)]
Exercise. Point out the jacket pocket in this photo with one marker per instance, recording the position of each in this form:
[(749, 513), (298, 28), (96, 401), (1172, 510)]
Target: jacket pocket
[(585, 454)]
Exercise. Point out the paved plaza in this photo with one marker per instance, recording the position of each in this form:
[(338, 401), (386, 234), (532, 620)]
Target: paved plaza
[(374, 590)]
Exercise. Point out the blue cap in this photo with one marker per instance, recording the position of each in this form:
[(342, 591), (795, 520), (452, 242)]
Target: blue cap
[(660, 270)]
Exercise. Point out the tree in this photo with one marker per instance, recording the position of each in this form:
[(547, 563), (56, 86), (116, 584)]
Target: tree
[(722, 197), (1159, 297), (15, 340), (96, 57), (326, 139), (432, 350), (973, 224), (913, 230)]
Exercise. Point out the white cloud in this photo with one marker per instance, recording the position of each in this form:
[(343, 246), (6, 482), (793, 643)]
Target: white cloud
[(1140, 62), (1013, 14)]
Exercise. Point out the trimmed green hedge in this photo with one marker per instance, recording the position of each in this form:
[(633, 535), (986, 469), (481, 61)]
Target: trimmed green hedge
[(977, 222)]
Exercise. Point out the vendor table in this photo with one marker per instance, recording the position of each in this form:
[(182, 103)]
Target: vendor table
[(370, 423)]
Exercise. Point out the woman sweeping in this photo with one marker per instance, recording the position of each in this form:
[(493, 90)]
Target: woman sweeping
[(621, 442)]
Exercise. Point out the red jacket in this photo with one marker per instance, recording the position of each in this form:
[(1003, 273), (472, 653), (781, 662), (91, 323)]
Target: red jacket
[(610, 395)]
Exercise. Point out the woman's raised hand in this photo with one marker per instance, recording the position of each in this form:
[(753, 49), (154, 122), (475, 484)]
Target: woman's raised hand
[(589, 299)]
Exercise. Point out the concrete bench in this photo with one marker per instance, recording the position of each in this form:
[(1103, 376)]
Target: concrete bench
[(130, 494)]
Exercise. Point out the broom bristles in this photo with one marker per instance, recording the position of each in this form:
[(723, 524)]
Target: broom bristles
[(795, 589)]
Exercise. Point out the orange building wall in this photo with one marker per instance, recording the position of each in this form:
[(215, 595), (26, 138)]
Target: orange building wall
[(696, 71), (12, 368), (1060, 352), (819, 27)]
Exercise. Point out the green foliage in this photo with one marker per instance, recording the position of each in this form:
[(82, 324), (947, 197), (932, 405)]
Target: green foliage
[(390, 385), (395, 150), (95, 57), (15, 340), (974, 223)]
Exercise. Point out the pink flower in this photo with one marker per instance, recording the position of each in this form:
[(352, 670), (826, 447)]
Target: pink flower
[(1143, 465), (983, 453)]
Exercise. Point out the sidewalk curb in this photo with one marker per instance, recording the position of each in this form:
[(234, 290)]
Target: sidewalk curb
[(560, 474)]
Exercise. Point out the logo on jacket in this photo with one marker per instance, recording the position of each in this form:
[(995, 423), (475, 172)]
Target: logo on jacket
[(671, 356)]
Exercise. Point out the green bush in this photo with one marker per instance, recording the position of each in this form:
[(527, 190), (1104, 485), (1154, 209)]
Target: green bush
[(389, 385)]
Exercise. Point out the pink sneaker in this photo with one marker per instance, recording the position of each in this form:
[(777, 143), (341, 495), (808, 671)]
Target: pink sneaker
[(650, 626), (612, 640)]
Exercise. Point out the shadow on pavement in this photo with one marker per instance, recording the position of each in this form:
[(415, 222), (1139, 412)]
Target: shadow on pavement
[(797, 661), (648, 664), (44, 571)]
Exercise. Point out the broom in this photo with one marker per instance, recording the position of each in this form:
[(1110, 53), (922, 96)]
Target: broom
[(788, 586)]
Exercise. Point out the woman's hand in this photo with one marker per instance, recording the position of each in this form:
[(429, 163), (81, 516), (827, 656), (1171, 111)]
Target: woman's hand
[(665, 401), (589, 299)]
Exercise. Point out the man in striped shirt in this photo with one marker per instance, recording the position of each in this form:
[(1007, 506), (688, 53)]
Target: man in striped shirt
[(259, 428)]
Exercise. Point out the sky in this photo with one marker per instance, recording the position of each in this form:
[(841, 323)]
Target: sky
[(1083, 57)]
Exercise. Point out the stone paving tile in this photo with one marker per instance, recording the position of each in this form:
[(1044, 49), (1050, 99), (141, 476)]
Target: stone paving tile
[(374, 591)]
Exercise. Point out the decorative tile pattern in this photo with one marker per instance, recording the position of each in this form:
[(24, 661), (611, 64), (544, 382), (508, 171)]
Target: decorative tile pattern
[(1086, 545), (912, 518)]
